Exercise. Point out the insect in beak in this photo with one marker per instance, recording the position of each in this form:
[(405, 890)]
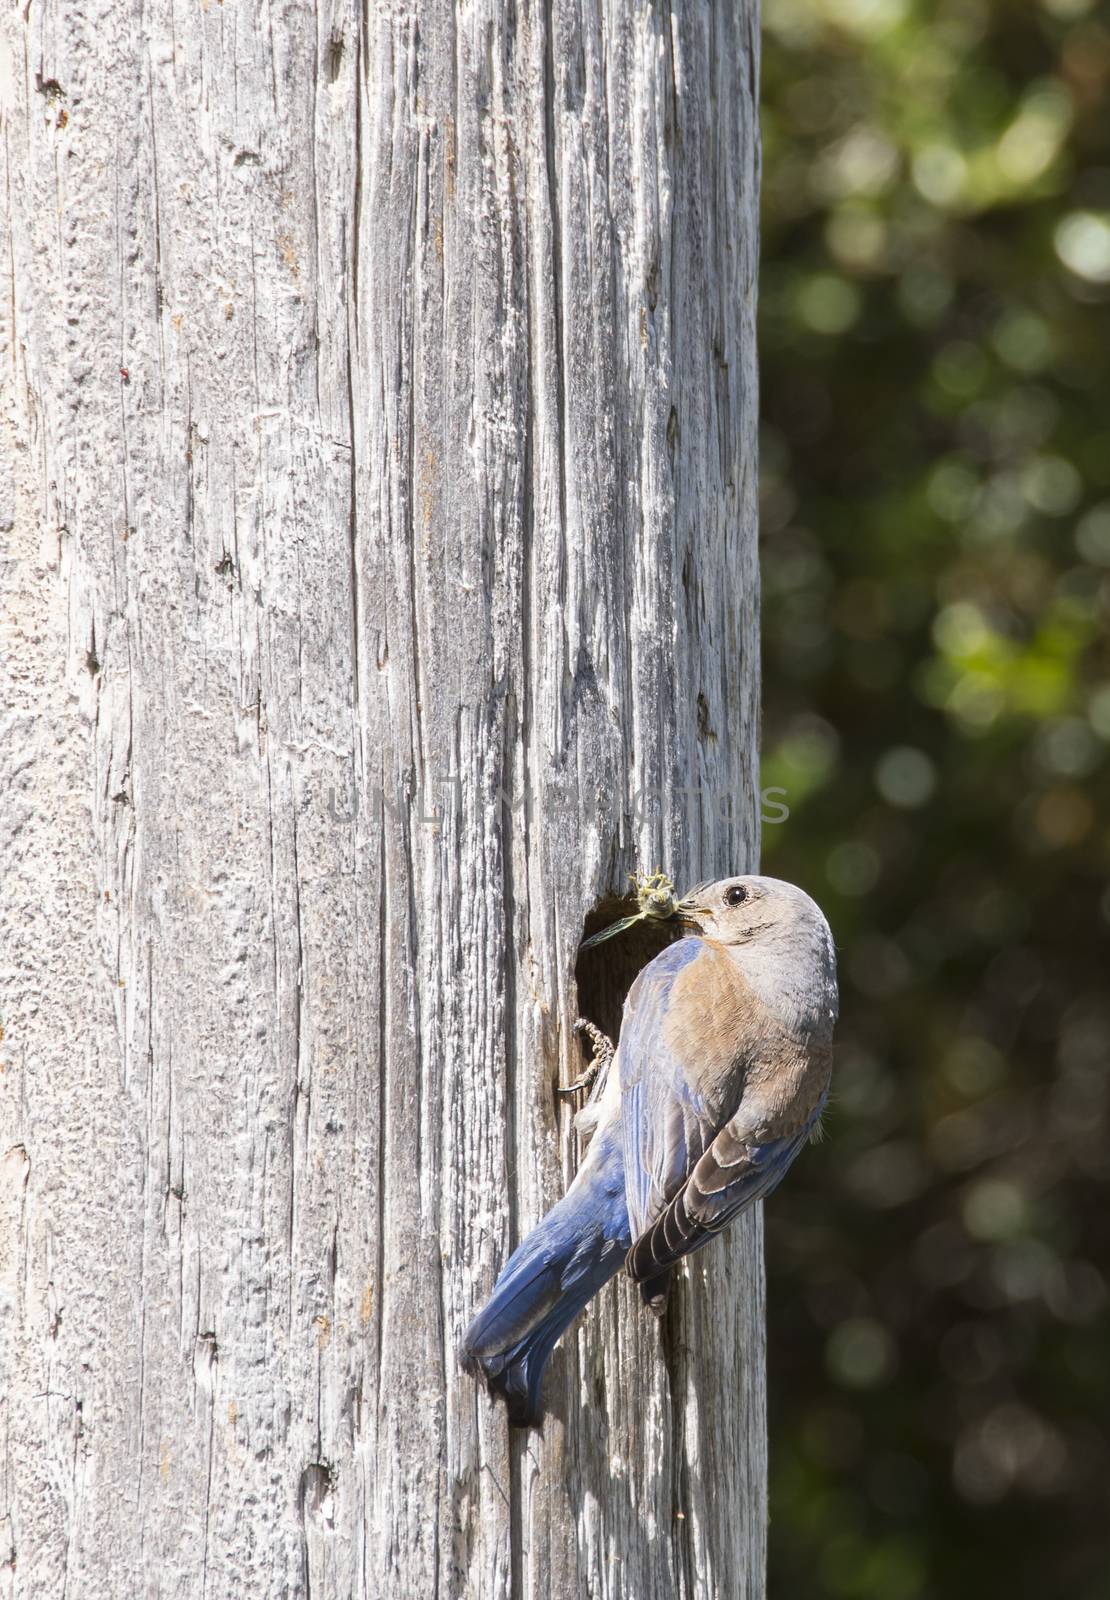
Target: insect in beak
[(657, 902)]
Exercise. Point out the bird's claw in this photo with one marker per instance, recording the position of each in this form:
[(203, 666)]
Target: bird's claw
[(580, 1085), (604, 1051)]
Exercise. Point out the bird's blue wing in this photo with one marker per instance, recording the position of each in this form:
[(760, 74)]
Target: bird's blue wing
[(666, 1122), (730, 1176)]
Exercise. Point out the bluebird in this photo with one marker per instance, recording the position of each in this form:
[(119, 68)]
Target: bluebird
[(719, 1077)]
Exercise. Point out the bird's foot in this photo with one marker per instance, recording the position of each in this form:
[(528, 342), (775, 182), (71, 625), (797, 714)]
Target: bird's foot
[(655, 1292), (604, 1050)]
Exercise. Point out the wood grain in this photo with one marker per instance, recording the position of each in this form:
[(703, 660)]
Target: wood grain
[(379, 587)]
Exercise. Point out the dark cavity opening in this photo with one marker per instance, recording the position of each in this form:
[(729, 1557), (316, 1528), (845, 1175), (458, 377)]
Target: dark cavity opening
[(605, 974)]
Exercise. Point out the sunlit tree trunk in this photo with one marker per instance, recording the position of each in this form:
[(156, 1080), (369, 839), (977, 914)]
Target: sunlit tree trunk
[(379, 588)]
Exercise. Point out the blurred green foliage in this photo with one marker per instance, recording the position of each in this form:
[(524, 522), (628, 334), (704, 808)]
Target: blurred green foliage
[(936, 523)]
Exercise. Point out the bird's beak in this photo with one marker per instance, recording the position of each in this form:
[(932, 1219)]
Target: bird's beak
[(691, 913)]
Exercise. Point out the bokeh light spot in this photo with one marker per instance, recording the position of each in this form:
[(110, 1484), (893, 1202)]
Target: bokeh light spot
[(940, 173), (1052, 485), (960, 629), (905, 777), (1082, 242), (853, 867), (1032, 141), (1066, 747), (1063, 816), (994, 1209), (973, 1065), (828, 304), (1098, 711), (1092, 535), (860, 1353)]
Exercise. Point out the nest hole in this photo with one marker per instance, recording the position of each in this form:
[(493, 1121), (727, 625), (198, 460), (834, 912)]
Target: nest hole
[(605, 974)]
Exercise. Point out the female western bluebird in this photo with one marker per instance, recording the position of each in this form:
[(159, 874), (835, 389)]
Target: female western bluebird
[(719, 1078)]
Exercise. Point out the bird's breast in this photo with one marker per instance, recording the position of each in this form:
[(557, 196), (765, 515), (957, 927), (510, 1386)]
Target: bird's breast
[(713, 1024)]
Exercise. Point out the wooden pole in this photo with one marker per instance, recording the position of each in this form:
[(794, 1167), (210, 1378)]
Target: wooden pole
[(379, 580)]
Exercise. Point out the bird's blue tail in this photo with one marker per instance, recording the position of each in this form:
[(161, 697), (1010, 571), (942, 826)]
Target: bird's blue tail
[(565, 1260)]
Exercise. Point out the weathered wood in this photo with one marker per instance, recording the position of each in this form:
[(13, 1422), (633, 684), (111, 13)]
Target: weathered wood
[(379, 583)]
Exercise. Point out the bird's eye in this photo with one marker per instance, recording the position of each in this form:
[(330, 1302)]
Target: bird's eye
[(736, 895)]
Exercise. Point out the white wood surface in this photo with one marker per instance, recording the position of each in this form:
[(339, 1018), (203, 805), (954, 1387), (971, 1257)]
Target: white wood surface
[(378, 444)]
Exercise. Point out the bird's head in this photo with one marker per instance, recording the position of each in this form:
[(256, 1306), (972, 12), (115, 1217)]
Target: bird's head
[(780, 941), (752, 908)]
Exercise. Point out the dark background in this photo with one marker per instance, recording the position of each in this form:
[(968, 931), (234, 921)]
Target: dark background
[(936, 559)]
